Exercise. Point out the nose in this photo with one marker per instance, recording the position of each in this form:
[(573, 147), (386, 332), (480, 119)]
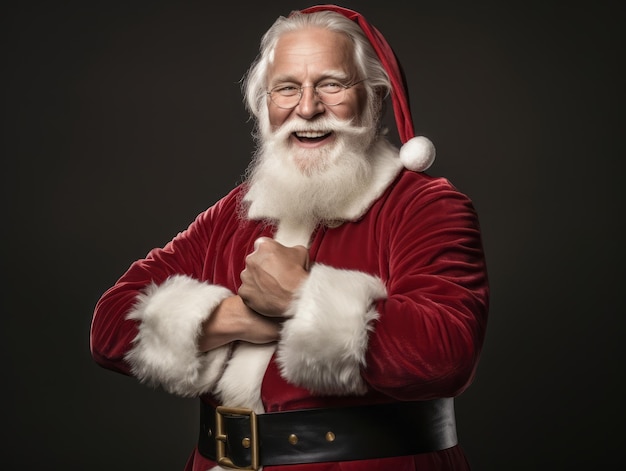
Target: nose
[(310, 104)]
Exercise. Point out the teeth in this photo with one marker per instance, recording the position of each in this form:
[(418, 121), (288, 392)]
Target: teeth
[(311, 134)]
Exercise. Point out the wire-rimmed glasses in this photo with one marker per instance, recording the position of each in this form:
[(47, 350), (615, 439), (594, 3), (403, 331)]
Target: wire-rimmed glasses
[(331, 93)]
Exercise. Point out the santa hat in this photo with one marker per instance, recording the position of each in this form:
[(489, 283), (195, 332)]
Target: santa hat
[(417, 152)]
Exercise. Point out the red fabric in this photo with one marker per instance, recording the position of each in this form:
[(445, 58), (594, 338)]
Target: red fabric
[(447, 460), (421, 238), (399, 93)]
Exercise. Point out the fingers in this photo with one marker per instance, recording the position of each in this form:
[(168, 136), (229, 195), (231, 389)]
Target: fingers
[(269, 250), (302, 255), (260, 240), (272, 275)]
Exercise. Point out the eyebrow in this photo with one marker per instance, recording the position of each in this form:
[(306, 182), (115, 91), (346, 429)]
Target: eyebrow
[(340, 76)]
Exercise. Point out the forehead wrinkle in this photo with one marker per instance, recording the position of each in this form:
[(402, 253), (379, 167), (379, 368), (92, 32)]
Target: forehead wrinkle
[(309, 55)]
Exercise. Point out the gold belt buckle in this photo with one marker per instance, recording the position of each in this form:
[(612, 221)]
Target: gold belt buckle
[(221, 437)]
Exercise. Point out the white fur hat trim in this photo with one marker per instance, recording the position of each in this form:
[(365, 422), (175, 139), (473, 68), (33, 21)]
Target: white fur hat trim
[(417, 154)]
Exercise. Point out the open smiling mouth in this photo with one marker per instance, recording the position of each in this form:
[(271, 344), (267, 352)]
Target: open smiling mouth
[(312, 136)]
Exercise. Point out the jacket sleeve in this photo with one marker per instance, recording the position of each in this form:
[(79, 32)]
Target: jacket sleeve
[(432, 324), (147, 324), (414, 329), (324, 340)]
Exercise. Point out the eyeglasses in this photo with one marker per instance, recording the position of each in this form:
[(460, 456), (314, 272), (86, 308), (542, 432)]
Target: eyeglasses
[(329, 93)]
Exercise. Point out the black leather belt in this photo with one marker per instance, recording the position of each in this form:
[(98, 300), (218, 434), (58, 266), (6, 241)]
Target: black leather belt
[(239, 438)]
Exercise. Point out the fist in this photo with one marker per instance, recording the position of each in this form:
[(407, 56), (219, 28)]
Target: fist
[(272, 275)]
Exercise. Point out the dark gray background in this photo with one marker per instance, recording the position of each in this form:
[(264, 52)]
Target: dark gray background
[(123, 120)]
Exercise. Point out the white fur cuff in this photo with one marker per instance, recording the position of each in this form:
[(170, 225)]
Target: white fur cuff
[(323, 345), (165, 350)]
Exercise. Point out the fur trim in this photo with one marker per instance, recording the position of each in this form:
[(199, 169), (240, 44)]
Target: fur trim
[(165, 352), (240, 386), (323, 345)]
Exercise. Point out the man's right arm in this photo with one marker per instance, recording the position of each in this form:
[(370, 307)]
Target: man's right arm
[(232, 320)]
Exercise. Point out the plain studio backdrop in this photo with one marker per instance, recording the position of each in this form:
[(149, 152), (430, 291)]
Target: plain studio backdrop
[(123, 120)]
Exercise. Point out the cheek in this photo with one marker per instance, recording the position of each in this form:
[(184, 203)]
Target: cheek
[(277, 116), (347, 113), (350, 109)]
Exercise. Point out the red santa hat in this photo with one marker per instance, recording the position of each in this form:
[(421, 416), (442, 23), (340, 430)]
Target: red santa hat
[(417, 152)]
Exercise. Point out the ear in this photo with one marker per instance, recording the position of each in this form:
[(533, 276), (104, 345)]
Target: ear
[(380, 94)]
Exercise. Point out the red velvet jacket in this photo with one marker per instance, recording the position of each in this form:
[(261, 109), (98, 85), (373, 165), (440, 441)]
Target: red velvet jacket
[(417, 255)]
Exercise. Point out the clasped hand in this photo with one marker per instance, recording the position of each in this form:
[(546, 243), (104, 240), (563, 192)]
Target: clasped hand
[(272, 275)]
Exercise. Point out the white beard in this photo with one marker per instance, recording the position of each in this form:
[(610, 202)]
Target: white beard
[(299, 189), (308, 186)]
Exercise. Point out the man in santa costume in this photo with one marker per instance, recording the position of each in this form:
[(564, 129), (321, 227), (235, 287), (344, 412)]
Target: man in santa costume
[(326, 311)]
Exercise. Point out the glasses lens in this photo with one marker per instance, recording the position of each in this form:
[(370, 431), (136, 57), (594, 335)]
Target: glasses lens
[(330, 94), (333, 97), (284, 100)]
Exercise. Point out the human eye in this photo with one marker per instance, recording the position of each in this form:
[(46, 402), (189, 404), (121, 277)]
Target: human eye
[(330, 87), (286, 90)]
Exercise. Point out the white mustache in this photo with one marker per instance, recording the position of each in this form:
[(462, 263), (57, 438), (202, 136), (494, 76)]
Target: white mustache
[(324, 126)]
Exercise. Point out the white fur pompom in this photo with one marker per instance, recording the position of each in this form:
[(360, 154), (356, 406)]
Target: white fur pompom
[(417, 154)]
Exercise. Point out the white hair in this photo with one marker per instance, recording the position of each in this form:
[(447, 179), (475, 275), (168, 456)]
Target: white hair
[(377, 85)]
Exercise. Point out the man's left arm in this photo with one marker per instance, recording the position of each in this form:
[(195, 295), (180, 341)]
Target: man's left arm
[(414, 332), (432, 324)]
